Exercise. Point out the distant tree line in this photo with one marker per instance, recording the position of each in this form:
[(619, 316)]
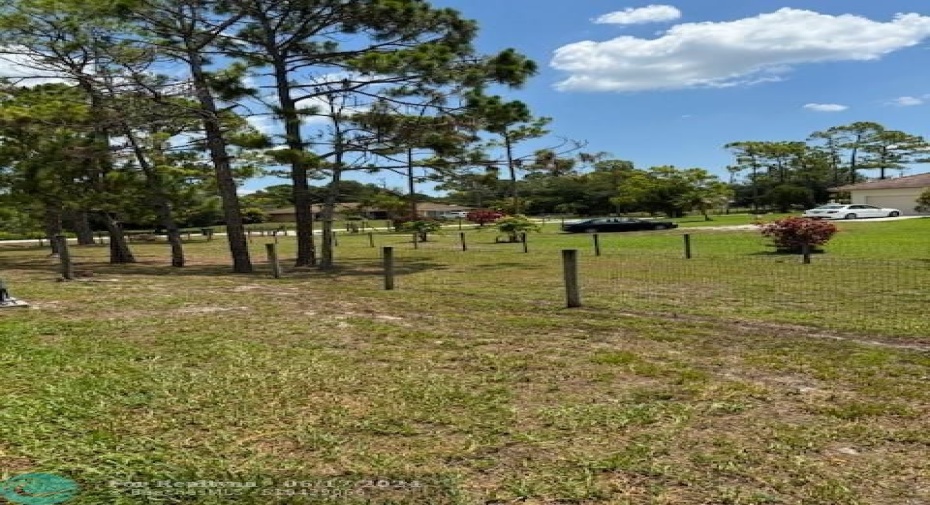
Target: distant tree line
[(785, 174)]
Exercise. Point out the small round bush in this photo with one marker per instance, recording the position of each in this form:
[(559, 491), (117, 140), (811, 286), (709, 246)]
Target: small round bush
[(790, 234)]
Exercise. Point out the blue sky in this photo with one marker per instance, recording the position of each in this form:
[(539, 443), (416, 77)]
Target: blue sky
[(671, 83)]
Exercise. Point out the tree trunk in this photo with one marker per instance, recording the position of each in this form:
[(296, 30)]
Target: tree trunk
[(81, 225), (174, 235), (411, 188), (219, 155), (162, 203), (329, 210), (300, 171), (513, 174), (52, 224), (852, 161), (119, 248)]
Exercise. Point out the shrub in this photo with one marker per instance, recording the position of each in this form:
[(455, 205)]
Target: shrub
[(923, 202), (513, 226), (791, 233), (483, 217), (423, 227)]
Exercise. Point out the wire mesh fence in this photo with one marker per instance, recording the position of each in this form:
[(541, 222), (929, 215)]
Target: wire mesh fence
[(724, 276)]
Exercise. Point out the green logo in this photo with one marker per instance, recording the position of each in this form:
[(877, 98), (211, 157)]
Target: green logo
[(38, 489)]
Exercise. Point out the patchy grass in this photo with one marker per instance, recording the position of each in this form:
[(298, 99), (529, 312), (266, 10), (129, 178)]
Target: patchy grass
[(470, 383)]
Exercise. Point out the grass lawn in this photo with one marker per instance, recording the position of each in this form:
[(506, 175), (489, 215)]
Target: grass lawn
[(737, 377)]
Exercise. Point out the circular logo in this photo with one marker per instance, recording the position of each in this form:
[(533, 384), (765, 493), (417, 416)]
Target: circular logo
[(38, 489)]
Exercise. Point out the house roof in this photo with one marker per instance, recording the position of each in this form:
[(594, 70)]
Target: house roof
[(911, 181)]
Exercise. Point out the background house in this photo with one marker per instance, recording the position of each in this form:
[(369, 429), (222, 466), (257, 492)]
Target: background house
[(899, 193), (425, 209), (438, 210)]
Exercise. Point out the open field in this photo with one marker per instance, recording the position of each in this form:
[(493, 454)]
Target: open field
[(736, 377)]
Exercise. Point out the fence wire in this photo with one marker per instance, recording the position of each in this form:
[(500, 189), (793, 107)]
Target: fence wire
[(728, 277)]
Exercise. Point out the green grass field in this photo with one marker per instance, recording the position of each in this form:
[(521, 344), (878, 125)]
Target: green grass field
[(736, 377)]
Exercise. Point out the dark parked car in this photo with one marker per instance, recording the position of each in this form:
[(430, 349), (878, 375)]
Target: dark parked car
[(606, 224)]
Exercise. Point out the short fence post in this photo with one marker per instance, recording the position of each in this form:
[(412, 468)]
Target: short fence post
[(806, 253), (526, 247), (6, 300), (335, 240), (388, 253), (597, 244), (462, 238), (67, 269), (416, 243), (100, 237), (371, 239), (273, 259), (687, 238), (570, 269), (460, 224)]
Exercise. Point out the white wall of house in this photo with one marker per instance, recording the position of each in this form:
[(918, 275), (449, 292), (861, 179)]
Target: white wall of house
[(903, 199)]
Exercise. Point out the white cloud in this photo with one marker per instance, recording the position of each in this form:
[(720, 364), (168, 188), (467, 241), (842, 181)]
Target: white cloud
[(23, 70), (642, 15), (264, 123), (733, 53), (909, 101), (825, 107)]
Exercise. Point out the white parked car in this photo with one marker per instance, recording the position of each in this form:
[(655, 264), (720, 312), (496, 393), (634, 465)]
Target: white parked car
[(455, 215), (854, 211)]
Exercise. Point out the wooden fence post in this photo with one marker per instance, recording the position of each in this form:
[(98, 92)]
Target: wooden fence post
[(462, 238), (806, 253), (388, 253), (416, 243), (273, 259), (67, 269), (570, 270), (371, 239), (687, 238), (597, 244), (526, 247)]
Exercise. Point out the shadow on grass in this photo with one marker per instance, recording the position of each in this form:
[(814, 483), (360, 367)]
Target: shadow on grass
[(345, 268), (784, 254), (508, 264)]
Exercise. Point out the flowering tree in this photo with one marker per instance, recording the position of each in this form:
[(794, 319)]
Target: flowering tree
[(792, 233), (483, 217)]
